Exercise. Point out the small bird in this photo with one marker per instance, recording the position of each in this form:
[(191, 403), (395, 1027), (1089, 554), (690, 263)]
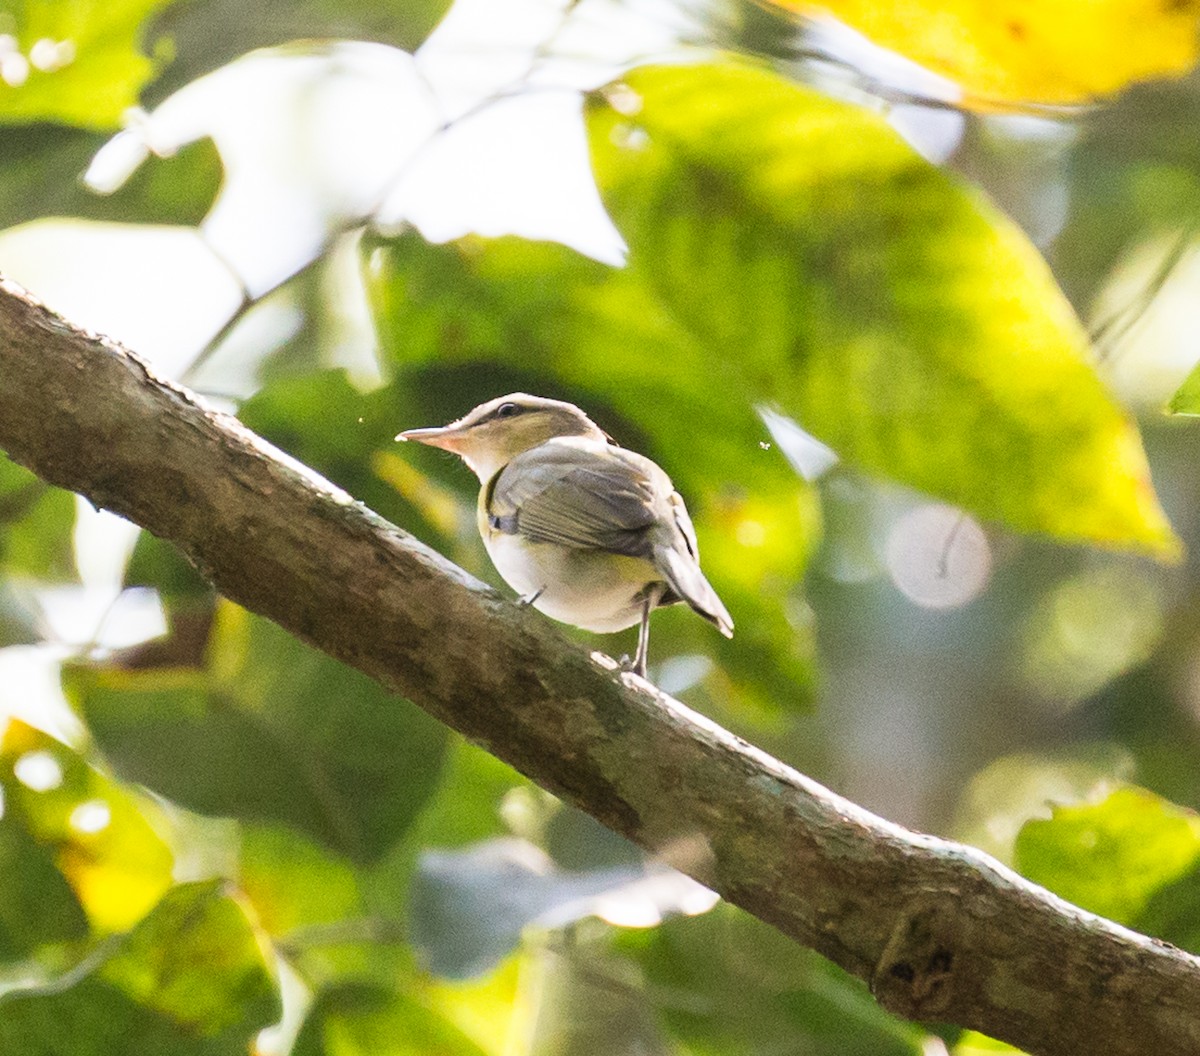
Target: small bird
[(587, 532)]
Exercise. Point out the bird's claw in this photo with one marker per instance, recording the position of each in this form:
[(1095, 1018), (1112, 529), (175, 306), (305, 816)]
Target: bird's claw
[(631, 666), (528, 599)]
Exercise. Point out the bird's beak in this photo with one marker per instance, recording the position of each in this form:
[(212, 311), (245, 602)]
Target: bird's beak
[(446, 437)]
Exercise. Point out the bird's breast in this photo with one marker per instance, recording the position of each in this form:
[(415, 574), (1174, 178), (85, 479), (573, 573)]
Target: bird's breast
[(591, 589)]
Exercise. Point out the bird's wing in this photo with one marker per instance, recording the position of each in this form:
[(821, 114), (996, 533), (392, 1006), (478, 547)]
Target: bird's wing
[(576, 496), (593, 498)]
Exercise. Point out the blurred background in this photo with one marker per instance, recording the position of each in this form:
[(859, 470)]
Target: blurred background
[(378, 228)]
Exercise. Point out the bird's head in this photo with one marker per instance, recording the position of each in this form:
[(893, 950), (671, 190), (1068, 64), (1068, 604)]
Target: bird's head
[(494, 433)]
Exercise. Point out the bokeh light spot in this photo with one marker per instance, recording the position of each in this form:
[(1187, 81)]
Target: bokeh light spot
[(38, 771), (938, 557), (91, 816)]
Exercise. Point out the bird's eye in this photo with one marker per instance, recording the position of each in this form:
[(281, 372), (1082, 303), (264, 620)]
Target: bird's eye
[(506, 410)]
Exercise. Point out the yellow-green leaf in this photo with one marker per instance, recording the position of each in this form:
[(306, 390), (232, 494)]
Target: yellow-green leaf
[(1187, 399), (101, 838), (821, 263), (75, 62), (1112, 857), (361, 1020)]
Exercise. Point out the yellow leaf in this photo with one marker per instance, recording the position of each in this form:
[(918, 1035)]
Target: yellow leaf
[(1046, 51)]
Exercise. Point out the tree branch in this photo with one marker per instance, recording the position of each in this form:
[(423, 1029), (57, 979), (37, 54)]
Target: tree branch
[(939, 931)]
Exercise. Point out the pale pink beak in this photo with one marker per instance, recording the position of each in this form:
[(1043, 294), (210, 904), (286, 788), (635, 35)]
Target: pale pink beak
[(445, 437)]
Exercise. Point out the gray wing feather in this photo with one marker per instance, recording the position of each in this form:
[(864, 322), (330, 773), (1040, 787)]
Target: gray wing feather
[(687, 582), (681, 567), (573, 497)]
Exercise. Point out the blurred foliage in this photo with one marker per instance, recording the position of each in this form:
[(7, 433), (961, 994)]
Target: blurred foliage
[(36, 522), (336, 918), (18, 617), (39, 905), (248, 24), (856, 259), (730, 984), (230, 831), (189, 980), (1187, 399), (1004, 53), (41, 167), (972, 1044), (271, 729), (360, 1019), (470, 906), (1119, 857), (101, 838), (1004, 795), (1134, 178), (78, 62)]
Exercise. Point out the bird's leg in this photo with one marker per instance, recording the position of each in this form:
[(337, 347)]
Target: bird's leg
[(643, 648), (529, 599)]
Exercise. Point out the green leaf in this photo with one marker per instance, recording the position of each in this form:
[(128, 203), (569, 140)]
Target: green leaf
[(38, 904), (331, 919), (270, 730), (733, 985), (97, 67), (36, 525), (41, 168), (1187, 398), (190, 980), (1111, 857), (449, 317), (357, 1020), (1173, 912), (196, 959), (100, 837), (158, 564), (469, 799), (999, 799), (821, 263), (294, 882)]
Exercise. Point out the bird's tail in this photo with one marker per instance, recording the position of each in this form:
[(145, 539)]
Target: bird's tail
[(686, 580)]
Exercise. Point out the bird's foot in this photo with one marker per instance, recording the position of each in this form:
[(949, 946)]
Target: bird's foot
[(528, 599), (632, 666)]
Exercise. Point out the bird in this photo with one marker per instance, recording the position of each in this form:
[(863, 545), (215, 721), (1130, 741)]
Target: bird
[(587, 532)]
